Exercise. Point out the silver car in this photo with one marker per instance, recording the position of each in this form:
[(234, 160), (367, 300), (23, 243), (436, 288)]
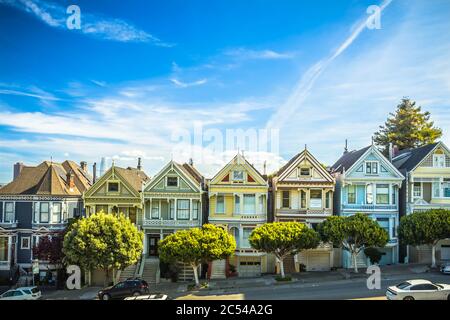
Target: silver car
[(419, 290)]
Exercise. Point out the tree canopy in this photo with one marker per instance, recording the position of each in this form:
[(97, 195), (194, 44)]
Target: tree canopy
[(103, 241), (408, 127), (197, 245), (283, 239), (353, 233)]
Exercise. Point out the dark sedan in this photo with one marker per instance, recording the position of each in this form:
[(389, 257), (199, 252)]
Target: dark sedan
[(130, 287)]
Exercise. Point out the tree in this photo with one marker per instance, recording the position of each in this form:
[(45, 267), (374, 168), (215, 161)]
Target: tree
[(409, 127), (103, 241), (353, 233), (425, 228), (49, 249), (196, 246), (283, 239)]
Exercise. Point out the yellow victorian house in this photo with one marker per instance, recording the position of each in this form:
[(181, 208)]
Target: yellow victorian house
[(238, 202)]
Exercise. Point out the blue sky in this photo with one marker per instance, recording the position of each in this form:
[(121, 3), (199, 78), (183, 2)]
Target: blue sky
[(140, 71)]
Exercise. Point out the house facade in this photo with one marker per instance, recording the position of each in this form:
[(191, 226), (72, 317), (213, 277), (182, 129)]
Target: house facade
[(238, 203), (173, 200), (303, 191), (369, 183), (38, 202), (427, 186)]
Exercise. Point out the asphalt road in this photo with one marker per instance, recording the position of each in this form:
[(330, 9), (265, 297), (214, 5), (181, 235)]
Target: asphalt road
[(338, 290)]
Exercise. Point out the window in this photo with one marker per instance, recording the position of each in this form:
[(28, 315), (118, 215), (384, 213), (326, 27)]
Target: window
[(369, 194), (351, 194), (382, 194), (44, 212), (101, 208), (261, 204), (9, 212), (155, 209), (237, 204), (172, 181), (439, 160), (328, 200), (183, 209), (4, 245), (423, 287), (172, 209), (305, 172), (446, 187), (394, 194), (25, 243), (315, 200), (384, 223), (56, 213), (303, 199), (195, 209), (286, 199), (113, 187), (220, 204), (417, 192), (246, 232), (235, 232), (371, 167), (238, 176), (249, 204)]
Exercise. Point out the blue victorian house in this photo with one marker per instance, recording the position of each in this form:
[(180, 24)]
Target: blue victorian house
[(369, 183)]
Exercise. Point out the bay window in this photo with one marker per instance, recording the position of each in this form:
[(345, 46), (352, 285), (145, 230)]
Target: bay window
[(237, 204), (369, 194), (155, 209), (220, 204), (44, 212), (4, 245), (195, 210), (382, 194), (246, 232), (446, 188), (183, 209), (286, 199), (249, 204), (56, 213), (351, 194), (172, 209), (9, 212), (315, 200), (302, 199)]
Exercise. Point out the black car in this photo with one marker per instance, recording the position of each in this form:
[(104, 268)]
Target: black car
[(127, 288)]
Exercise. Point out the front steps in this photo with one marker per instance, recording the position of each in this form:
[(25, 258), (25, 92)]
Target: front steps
[(218, 269)]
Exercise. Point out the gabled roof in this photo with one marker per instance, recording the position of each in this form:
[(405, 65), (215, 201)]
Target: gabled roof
[(191, 175), (408, 159), (133, 176), (305, 154), (348, 159), (237, 159), (49, 178)]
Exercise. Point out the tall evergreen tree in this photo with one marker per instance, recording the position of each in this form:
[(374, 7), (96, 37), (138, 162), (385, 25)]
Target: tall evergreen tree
[(408, 127)]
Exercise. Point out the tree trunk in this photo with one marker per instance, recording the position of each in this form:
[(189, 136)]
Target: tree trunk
[(433, 255), (282, 267), (355, 263), (195, 268), (105, 282)]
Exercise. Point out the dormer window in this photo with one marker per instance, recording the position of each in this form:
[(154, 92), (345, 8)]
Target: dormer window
[(305, 172), (113, 187), (372, 167), (238, 176), (172, 182)]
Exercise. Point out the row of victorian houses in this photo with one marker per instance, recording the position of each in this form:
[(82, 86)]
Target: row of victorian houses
[(40, 200)]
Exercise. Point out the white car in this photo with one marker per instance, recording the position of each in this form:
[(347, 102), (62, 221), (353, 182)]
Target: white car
[(23, 293), (148, 297), (445, 269), (419, 290)]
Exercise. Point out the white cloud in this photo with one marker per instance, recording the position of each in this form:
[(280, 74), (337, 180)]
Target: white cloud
[(247, 54), (182, 84)]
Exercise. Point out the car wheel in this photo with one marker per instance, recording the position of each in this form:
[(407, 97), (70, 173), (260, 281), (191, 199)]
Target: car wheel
[(106, 297), (136, 294), (408, 298)]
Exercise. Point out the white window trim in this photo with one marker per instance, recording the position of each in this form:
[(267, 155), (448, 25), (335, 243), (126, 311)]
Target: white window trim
[(421, 191), (224, 204), (13, 212), (238, 180), (118, 187), (22, 247), (371, 173), (442, 160), (356, 194), (173, 187)]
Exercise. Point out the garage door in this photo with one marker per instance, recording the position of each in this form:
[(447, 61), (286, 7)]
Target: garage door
[(318, 261), (445, 252), (249, 267)]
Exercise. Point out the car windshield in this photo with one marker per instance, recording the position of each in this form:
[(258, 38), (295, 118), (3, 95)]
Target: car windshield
[(27, 291), (34, 290), (403, 285)]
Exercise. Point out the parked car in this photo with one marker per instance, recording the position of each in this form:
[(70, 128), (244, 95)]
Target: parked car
[(445, 268), (129, 287), (23, 293), (157, 296), (419, 290)]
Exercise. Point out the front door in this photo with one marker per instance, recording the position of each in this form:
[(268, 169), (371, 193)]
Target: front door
[(153, 245)]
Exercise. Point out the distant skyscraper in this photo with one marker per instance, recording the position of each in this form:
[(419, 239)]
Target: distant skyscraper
[(102, 166)]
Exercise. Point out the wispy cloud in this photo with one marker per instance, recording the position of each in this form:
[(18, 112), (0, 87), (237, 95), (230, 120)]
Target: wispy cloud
[(182, 84), (303, 87), (55, 16), (247, 54)]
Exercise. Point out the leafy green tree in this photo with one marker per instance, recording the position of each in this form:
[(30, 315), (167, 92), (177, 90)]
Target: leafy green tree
[(353, 233), (283, 239), (425, 228), (196, 246), (408, 127), (103, 241)]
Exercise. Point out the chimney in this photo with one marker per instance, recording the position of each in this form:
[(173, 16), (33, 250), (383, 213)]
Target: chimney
[(391, 152), (17, 169), (191, 162), (94, 172), (83, 165), (395, 151), (139, 166), (70, 179)]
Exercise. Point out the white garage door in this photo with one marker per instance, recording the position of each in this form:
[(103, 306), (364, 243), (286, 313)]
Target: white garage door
[(445, 252), (318, 261), (249, 267)]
